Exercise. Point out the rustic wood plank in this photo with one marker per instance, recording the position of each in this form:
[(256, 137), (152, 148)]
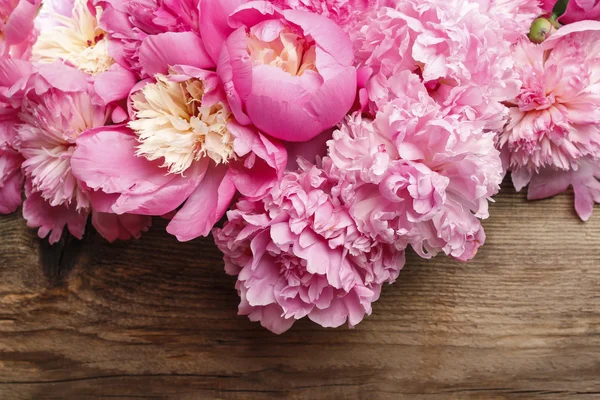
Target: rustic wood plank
[(157, 319)]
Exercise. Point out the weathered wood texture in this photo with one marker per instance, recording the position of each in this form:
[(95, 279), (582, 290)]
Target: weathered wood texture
[(157, 319)]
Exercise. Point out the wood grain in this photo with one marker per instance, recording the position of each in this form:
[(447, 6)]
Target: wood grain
[(157, 319)]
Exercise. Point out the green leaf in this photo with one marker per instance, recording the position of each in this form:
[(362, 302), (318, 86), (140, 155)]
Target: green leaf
[(560, 7)]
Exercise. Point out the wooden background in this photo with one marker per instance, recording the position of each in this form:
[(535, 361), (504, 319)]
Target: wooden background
[(157, 319)]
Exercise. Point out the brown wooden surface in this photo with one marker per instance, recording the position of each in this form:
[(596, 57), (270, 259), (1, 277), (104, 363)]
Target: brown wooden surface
[(157, 319)]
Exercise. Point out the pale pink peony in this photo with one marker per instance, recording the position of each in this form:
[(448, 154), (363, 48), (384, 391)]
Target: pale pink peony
[(459, 50), (287, 72), (414, 176), (16, 27), (577, 10), (555, 120), (181, 146), (297, 253), (51, 122)]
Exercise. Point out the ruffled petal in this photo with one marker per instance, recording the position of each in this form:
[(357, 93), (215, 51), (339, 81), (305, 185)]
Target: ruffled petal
[(52, 220)]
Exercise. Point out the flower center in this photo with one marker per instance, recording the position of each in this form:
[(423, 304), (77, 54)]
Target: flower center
[(173, 123), (78, 40), (290, 52)]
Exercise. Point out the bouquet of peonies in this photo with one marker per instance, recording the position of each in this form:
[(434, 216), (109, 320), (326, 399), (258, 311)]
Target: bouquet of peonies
[(338, 133)]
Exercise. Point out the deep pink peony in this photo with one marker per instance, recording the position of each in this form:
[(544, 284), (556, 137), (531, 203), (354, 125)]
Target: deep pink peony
[(16, 27), (181, 146), (577, 10), (11, 176), (297, 253), (57, 105), (460, 52), (287, 72), (11, 179), (553, 134), (415, 176), (140, 30)]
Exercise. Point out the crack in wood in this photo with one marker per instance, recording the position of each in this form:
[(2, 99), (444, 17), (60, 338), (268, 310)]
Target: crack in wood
[(58, 260)]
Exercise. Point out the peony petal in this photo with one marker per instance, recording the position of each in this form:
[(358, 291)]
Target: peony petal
[(13, 71), (281, 107), (269, 162), (52, 220), (122, 227), (310, 151), (214, 27), (235, 70), (272, 320), (159, 52), (520, 178), (584, 201), (205, 206), (326, 33), (548, 183), (331, 317), (102, 156), (581, 26), (20, 22), (11, 193), (114, 84), (63, 77), (11, 180)]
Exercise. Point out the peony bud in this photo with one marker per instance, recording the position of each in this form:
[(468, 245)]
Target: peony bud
[(540, 29)]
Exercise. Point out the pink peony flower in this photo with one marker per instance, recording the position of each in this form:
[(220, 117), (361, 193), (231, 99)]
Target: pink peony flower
[(415, 176), (287, 72), (297, 253), (11, 177), (577, 10), (181, 146), (460, 52), (69, 31), (554, 127), (57, 105), (141, 29), (16, 27)]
